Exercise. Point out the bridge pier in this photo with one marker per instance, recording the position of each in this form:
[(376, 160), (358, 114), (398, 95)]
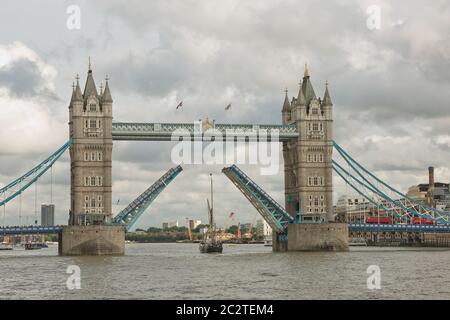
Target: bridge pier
[(95, 240), (313, 237)]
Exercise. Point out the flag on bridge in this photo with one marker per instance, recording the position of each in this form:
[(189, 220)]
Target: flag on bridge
[(231, 214), (179, 105), (228, 107)]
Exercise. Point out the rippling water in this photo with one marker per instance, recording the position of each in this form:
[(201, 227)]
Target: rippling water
[(179, 271)]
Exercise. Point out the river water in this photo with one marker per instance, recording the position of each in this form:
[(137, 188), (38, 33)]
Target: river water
[(179, 271)]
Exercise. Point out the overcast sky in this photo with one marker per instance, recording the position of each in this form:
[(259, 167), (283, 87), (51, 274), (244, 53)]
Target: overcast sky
[(389, 86)]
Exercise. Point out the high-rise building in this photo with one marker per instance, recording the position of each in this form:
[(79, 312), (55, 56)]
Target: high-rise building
[(307, 160), (263, 229), (47, 215), (168, 225)]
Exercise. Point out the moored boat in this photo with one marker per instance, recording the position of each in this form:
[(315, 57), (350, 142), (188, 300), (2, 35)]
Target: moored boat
[(6, 246), (210, 242)]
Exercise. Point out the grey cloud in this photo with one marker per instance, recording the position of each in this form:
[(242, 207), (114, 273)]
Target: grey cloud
[(22, 77)]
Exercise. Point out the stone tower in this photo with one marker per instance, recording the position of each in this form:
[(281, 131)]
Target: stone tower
[(308, 169), (90, 124)]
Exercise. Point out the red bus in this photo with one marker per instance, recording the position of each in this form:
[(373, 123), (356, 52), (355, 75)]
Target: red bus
[(383, 220), (423, 221)]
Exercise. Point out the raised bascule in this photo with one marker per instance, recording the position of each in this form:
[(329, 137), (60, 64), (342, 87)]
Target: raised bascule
[(305, 222)]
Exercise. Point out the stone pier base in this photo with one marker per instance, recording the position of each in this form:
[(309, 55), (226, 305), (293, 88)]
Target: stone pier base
[(91, 241), (313, 237)]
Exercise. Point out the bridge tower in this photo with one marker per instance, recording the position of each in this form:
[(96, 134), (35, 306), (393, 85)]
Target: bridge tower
[(90, 125), (90, 231), (308, 168), (308, 175)]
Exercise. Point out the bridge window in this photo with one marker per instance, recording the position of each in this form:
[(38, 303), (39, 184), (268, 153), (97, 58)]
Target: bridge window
[(92, 107), (315, 126), (314, 111), (86, 124), (86, 156), (92, 156), (99, 156), (316, 201), (92, 202), (92, 124), (86, 181)]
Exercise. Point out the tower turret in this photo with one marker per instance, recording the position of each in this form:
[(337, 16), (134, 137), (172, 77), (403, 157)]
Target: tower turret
[(286, 111)]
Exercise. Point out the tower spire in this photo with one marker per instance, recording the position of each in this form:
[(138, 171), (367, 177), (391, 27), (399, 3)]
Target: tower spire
[(107, 93), (286, 104), (306, 72), (77, 96), (326, 96), (90, 88)]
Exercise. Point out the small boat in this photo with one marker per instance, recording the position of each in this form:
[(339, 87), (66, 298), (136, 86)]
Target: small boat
[(6, 246), (211, 246), (357, 243), (35, 245), (211, 243)]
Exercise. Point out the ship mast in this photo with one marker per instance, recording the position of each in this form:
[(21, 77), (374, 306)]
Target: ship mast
[(211, 214)]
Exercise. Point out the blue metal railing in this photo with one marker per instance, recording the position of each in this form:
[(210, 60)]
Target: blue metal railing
[(274, 214), (137, 207), (37, 171)]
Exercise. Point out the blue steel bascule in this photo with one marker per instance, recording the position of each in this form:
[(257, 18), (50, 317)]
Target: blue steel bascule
[(401, 207)]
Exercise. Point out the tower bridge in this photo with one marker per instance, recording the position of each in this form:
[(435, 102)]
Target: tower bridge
[(304, 222)]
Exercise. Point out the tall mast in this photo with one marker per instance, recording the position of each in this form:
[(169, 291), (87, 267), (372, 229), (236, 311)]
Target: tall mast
[(212, 208)]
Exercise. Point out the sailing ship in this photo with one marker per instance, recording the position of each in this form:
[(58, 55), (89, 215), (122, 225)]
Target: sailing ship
[(210, 242)]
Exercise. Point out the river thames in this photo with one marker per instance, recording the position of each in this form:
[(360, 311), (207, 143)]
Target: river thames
[(179, 271)]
